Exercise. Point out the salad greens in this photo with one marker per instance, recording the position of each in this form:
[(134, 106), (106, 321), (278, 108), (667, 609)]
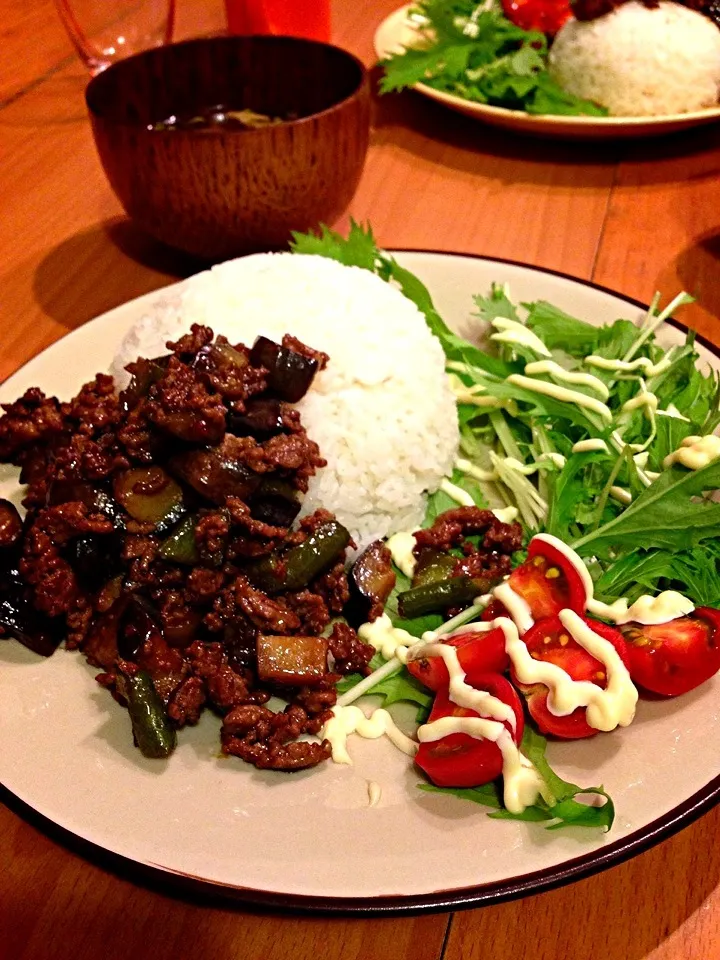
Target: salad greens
[(640, 527), (471, 50)]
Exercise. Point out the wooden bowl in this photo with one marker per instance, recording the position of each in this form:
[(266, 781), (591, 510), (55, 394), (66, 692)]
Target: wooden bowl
[(219, 192)]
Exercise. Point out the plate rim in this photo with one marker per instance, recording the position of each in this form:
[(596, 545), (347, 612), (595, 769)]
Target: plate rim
[(584, 865), (547, 121)]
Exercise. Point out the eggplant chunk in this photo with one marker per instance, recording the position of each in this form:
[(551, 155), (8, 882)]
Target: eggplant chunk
[(289, 373), (11, 525), (95, 558), (150, 495), (263, 418), (371, 581), (295, 661), (275, 502), (20, 619), (219, 357), (216, 473)]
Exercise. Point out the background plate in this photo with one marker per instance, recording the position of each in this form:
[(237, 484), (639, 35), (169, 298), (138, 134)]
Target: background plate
[(311, 840), (394, 33)]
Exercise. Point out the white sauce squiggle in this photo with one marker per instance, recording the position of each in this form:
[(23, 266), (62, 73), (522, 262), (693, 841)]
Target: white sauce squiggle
[(695, 452), (401, 546), (561, 393), (644, 364), (347, 720), (590, 446), (389, 640), (569, 376)]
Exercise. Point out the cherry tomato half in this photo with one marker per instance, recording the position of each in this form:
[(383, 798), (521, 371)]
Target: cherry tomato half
[(460, 760), (547, 16), (478, 654), (548, 582), (550, 642), (674, 657)]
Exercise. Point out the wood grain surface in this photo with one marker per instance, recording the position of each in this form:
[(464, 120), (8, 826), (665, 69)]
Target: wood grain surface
[(634, 217)]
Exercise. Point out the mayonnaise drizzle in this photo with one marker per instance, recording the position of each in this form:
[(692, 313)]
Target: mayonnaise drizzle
[(512, 331), (695, 452), (590, 445), (347, 720), (644, 398), (606, 708), (389, 640), (644, 364), (561, 393), (516, 606), (374, 793), (506, 514), (569, 376), (474, 471), (401, 546), (456, 493), (666, 606), (557, 459), (621, 495)]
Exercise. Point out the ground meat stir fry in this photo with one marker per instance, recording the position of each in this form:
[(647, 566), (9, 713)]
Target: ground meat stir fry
[(163, 539)]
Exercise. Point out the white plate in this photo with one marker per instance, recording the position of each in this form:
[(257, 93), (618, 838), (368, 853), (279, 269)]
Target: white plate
[(395, 32), (310, 839)]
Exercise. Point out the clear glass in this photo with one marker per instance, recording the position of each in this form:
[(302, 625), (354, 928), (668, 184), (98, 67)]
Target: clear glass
[(106, 31), (296, 18)]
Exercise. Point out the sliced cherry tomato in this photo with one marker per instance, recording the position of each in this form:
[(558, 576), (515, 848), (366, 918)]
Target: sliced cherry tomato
[(460, 760), (550, 642), (548, 582), (674, 657), (478, 654), (547, 16)]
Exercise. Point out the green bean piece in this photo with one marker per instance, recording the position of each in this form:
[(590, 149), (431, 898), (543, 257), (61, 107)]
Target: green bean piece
[(432, 597), (181, 546), (294, 569), (154, 735), (433, 565)]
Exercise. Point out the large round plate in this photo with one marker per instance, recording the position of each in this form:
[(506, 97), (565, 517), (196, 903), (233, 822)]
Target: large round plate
[(311, 840), (395, 33)]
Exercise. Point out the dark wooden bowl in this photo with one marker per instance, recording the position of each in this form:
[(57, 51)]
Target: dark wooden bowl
[(220, 192)]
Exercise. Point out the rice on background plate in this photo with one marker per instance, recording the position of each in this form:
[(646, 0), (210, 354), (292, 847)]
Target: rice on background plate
[(382, 411), (638, 61)]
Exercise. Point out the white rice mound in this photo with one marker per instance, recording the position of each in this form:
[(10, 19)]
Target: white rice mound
[(640, 62), (382, 411)]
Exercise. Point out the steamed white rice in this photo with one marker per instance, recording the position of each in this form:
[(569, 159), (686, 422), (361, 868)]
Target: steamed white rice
[(641, 62), (382, 411)]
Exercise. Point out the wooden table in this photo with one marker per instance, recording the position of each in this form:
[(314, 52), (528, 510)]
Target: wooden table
[(635, 217)]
